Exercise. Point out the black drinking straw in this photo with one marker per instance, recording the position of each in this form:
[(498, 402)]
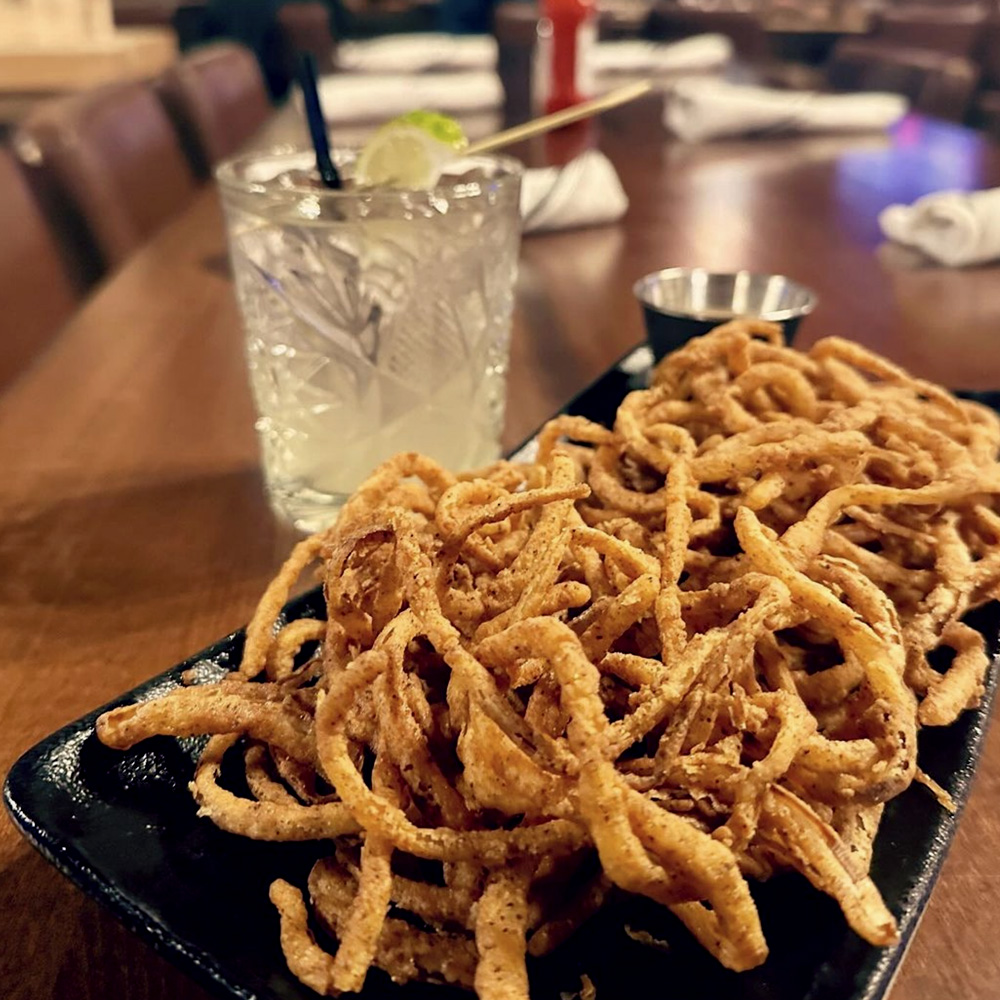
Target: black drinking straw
[(317, 125)]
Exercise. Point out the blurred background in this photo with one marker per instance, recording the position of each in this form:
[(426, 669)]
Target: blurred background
[(114, 112), (943, 55)]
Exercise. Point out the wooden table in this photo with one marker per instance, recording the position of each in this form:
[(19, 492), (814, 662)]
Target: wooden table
[(134, 530)]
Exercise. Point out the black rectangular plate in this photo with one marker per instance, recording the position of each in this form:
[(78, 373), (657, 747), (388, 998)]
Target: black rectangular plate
[(123, 827)]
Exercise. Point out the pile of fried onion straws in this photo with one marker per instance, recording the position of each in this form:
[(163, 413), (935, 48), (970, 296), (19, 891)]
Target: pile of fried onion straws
[(661, 659)]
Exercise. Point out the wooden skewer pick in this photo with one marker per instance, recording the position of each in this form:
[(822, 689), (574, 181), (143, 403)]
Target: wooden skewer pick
[(549, 122)]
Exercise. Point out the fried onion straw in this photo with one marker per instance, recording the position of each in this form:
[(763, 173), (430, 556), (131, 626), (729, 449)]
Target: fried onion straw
[(663, 658)]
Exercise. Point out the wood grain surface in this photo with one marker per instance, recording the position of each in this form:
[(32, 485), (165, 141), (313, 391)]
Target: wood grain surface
[(133, 528)]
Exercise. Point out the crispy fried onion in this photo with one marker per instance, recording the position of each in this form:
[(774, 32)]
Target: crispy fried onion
[(663, 657)]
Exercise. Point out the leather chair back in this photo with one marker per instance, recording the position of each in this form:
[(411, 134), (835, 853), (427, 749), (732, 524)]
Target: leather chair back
[(936, 83), (951, 28), (37, 291), (305, 27), (217, 99), (987, 53), (670, 21), (986, 105), (515, 27), (109, 158)]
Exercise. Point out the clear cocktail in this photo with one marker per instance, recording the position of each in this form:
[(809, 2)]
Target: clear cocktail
[(377, 320)]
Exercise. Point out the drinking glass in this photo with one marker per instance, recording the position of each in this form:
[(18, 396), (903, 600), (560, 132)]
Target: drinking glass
[(377, 320)]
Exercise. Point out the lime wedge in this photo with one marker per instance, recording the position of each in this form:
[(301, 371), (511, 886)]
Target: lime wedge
[(410, 151), (444, 128)]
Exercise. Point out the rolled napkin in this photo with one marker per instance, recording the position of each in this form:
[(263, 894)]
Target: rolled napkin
[(702, 52), (419, 53), (705, 108), (585, 192), (350, 97), (952, 227)]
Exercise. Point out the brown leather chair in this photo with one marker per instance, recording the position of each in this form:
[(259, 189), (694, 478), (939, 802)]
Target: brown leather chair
[(936, 83), (951, 28), (986, 105), (37, 292), (621, 23), (151, 13), (515, 27), (109, 158), (670, 21), (987, 53), (217, 99), (305, 27)]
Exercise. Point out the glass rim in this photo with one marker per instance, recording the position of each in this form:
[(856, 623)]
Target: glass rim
[(228, 180)]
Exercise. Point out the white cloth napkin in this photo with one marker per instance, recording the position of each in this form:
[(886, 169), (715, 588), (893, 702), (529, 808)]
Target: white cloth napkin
[(951, 227), (705, 108), (418, 53), (585, 192), (702, 52), (358, 97)]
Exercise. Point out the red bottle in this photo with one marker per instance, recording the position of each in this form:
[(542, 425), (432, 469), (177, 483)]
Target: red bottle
[(569, 38)]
